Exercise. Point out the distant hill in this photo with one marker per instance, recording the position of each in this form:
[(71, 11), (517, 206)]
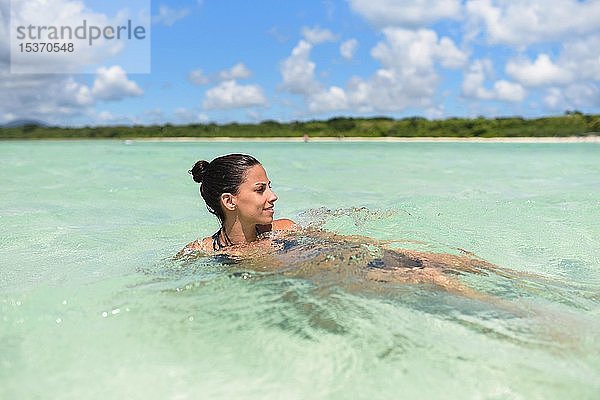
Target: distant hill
[(19, 123)]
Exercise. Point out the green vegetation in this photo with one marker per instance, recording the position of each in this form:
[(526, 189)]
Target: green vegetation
[(573, 123)]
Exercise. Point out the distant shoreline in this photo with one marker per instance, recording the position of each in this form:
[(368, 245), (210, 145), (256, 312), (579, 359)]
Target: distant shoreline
[(523, 139), (321, 139), (574, 126)]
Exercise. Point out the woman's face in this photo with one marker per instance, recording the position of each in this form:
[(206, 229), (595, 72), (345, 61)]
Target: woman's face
[(255, 199)]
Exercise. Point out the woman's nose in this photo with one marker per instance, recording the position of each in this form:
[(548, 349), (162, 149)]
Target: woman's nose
[(273, 197)]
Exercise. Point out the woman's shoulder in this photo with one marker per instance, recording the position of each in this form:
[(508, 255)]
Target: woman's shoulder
[(284, 224)]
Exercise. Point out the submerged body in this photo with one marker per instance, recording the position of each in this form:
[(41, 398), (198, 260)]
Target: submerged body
[(352, 261)]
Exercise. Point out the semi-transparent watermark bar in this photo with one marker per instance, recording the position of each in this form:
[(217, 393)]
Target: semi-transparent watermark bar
[(79, 36)]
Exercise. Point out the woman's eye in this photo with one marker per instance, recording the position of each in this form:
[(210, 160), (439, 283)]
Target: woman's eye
[(262, 188)]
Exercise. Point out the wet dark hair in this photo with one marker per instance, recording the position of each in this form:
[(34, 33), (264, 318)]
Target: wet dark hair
[(224, 174)]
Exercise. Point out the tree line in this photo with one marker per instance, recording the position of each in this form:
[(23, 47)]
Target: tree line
[(573, 123)]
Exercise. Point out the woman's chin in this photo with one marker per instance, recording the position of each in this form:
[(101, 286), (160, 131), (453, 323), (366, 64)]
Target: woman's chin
[(267, 220)]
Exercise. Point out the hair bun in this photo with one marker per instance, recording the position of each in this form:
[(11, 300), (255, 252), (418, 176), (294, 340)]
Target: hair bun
[(199, 170)]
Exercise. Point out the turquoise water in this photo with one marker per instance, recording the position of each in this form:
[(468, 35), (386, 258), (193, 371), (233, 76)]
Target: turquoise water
[(92, 305)]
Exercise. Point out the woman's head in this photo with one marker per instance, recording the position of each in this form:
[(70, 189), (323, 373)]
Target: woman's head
[(235, 185)]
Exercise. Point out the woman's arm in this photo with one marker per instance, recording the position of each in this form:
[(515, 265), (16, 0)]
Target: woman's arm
[(205, 245)]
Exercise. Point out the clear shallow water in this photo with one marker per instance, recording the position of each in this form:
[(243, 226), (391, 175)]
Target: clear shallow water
[(92, 306)]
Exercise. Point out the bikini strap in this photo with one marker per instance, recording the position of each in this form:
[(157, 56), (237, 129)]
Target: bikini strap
[(216, 237), (216, 241)]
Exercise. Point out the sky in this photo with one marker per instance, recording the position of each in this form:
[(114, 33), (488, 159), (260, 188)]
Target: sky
[(247, 61)]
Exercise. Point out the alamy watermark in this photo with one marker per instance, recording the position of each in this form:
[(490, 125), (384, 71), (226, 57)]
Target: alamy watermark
[(95, 33)]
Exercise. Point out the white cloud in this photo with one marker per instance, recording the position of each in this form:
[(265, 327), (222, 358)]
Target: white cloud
[(407, 77), (524, 22), (52, 97), (197, 77), (583, 94), (473, 85), (229, 94), (112, 84), (407, 50), (106, 116), (79, 94), (277, 34), (554, 98), (570, 79), (45, 97), (168, 16), (333, 98), (406, 13), (8, 117), (508, 91), (298, 71), (539, 73), (318, 35), (348, 48), (238, 71), (474, 80), (449, 55), (578, 95), (435, 112), (581, 57)]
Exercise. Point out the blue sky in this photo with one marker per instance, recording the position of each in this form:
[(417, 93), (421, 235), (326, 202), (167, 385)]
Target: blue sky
[(224, 61)]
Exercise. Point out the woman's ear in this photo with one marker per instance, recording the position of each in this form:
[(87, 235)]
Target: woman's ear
[(228, 200)]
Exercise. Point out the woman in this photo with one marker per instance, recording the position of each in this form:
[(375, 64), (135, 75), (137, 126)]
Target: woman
[(236, 189)]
